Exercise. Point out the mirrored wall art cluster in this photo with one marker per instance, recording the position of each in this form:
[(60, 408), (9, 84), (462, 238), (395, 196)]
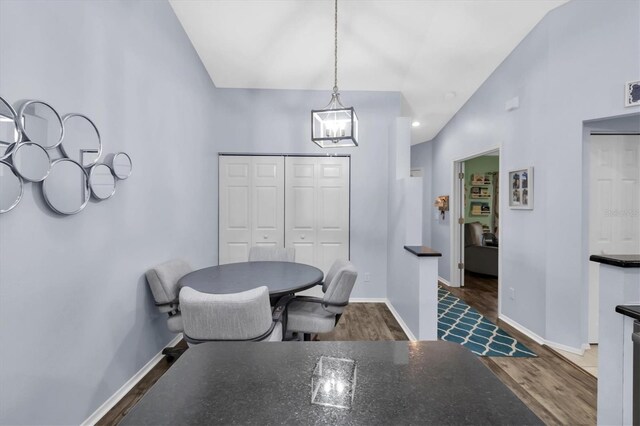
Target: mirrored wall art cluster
[(31, 133)]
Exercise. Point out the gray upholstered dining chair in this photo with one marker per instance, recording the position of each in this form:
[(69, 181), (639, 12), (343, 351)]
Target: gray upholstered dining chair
[(311, 315), (238, 316), (271, 254), (163, 281), (335, 267)]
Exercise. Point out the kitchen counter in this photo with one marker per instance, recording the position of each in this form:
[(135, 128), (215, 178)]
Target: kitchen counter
[(619, 260), (632, 311)]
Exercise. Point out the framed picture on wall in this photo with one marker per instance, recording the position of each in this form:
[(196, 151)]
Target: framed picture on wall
[(521, 189)]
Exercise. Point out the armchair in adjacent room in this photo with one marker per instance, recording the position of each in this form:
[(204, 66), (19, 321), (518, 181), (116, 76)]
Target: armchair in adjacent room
[(480, 256)]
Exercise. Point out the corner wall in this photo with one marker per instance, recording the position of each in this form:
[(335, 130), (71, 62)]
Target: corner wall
[(569, 69)]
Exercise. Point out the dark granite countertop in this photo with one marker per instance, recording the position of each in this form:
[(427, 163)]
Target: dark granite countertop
[(380, 383), (632, 311), (620, 260), (422, 251)]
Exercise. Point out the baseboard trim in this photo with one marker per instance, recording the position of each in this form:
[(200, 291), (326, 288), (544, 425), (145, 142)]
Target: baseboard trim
[(398, 318), (522, 329), (367, 300), (571, 349), (443, 281), (129, 384)]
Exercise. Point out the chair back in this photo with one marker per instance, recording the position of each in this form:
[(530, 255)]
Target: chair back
[(163, 281), (340, 288), (236, 316), (271, 254), (337, 265)]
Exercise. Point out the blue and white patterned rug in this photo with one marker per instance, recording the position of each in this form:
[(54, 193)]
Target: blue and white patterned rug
[(460, 323)]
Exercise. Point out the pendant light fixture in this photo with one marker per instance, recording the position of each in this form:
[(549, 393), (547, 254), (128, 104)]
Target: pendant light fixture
[(335, 125)]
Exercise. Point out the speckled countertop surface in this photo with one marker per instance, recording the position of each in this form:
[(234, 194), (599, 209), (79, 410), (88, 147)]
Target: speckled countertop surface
[(272, 383)]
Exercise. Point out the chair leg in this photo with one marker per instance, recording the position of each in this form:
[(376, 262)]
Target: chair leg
[(307, 337), (172, 353)]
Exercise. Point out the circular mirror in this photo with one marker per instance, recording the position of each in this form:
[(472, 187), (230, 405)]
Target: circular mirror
[(81, 141), (121, 165), (31, 161), (41, 124), (10, 187), (102, 181), (9, 133), (66, 189)]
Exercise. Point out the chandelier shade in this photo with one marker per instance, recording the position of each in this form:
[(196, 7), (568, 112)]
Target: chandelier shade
[(335, 125)]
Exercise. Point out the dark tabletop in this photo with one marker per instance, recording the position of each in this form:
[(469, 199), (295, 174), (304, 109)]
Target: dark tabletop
[(281, 277), (271, 383), (632, 311), (620, 260)]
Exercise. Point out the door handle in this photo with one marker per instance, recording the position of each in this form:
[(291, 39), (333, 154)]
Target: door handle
[(265, 237), (302, 237)]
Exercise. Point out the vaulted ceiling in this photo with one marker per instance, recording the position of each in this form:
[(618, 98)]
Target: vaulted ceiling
[(435, 52)]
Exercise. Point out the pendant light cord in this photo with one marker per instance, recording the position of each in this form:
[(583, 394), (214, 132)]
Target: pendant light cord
[(335, 49)]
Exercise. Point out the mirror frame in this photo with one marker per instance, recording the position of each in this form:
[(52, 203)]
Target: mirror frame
[(17, 170), (21, 186), (115, 181), (12, 145), (113, 159), (64, 152), (87, 189), (20, 121)]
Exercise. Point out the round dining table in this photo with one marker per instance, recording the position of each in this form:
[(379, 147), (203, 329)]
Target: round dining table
[(280, 277)]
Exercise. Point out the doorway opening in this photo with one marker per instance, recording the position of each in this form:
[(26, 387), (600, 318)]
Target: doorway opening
[(476, 227)]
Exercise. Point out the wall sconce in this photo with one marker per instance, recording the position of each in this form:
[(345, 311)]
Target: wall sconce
[(442, 203)]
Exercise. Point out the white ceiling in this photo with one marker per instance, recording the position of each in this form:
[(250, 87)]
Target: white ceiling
[(435, 52)]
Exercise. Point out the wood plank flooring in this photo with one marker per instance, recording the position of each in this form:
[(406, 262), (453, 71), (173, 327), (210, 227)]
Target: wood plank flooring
[(553, 388)]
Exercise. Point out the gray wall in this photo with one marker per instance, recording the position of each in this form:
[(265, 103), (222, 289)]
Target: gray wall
[(278, 121), (569, 69), (422, 156), (76, 314), (77, 318)]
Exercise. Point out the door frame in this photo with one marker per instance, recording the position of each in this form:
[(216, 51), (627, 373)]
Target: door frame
[(457, 232)]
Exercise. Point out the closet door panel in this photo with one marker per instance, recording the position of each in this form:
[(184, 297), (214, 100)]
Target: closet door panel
[(300, 207), (268, 201), (333, 210), (234, 209)]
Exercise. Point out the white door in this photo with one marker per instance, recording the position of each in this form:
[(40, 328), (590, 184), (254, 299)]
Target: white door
[(267, 197), (234, 193), (317, 210), (614, 188), (251, 197)]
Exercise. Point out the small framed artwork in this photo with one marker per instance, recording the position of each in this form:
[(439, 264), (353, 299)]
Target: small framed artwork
[(632, 93), (521, 189)]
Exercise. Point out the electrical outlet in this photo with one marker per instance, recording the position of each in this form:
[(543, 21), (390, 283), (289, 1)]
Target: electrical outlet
[(367, 277), (512, 293)]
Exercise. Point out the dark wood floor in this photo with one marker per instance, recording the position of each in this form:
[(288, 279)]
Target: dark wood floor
[(553, 388)]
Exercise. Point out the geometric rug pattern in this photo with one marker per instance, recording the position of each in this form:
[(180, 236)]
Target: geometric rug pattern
[(460, 323)]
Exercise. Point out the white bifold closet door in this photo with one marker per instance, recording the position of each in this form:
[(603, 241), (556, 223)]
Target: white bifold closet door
[(317, 210), (251, 210)]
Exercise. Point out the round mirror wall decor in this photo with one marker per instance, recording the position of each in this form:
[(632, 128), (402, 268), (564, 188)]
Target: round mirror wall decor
[(40, 123), (121, 165), (9, 133), (11, 188), (31, 161), (66, 189), (26, 136), (81, 141), (102, 182)]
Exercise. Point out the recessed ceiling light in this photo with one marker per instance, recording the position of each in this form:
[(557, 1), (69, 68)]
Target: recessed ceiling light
[(415, 124)]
